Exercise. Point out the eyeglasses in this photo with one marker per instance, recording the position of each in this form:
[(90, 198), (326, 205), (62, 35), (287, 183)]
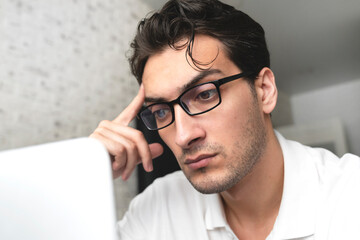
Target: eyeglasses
[(196, 100)]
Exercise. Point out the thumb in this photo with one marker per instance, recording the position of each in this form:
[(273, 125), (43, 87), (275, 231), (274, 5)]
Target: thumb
[(156, 150)]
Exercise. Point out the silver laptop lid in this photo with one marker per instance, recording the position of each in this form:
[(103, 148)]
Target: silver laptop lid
[(60, 190)]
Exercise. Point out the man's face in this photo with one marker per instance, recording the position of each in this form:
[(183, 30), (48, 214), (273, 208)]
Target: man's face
[(216, 149)]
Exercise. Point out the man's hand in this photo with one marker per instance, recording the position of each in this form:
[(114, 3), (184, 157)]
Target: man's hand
[(127, 146)]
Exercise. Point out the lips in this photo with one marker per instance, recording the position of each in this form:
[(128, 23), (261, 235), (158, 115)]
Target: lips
[(200, 161)]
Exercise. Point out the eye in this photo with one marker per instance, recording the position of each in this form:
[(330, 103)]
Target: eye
[(207, 94), (161, 113)]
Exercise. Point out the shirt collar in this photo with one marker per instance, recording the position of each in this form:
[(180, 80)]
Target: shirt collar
[(214, 212), (298, 208)]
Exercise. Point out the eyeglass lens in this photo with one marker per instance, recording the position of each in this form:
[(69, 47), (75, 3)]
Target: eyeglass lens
[(194, 101)]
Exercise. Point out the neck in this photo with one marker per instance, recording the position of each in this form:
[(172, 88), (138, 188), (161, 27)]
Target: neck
[(253, 203)]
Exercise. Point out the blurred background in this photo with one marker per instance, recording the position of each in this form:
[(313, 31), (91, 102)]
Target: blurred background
[(63, 69)]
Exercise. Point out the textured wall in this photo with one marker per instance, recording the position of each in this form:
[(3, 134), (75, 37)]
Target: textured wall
[(63, 69)]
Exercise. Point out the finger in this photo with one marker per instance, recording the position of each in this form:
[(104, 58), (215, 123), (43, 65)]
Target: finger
[(129, 168), (156, 149), (121, 149), (136, 136), (145, 156), (147, 152), (131, 160), (132, 109), (117, 174)]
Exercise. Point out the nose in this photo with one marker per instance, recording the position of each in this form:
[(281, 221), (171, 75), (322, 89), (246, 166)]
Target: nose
[(188, 129)]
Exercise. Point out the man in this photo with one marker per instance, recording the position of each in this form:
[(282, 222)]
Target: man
[(209, 92)]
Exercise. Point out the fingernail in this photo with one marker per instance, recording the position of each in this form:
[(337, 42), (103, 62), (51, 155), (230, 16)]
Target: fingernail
[(116, 166), (124, 177), (150, 168)]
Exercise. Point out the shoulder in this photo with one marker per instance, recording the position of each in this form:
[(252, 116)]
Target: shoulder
[(339, 191), (340, 209), (331, 177), (333, 169), (330, 183), (321, 162)]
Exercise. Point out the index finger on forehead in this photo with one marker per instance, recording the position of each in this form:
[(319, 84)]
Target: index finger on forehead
[(129, 113)]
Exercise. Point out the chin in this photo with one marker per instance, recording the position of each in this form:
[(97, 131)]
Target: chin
[(207, 183)]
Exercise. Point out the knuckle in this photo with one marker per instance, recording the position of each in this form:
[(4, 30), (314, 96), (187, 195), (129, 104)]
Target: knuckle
[(139, 135), (120, 162), (103, 123), (98, 130), (132, 146), (94, 135), (120, 149)]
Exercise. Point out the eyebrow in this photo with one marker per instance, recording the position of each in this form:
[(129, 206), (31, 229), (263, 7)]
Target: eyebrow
[(186, 86)]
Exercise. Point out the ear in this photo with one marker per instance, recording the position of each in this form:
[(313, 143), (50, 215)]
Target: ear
[(266, 90)]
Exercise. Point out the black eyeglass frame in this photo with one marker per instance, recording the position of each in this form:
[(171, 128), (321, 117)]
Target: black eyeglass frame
[(217, 84)]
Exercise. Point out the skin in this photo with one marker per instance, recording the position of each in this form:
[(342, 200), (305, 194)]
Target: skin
[(240, 157), (127, 146), (236, 151)]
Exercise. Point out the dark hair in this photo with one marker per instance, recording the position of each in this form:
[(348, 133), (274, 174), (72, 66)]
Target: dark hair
[(242, 37)]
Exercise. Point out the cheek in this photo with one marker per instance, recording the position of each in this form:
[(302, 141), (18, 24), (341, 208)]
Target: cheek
[(168, 136), (228, 114), (223, 126), (165, 135), (230, 117)]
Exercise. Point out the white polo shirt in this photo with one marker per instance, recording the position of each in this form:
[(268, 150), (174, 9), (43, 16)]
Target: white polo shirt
[(321, 200)]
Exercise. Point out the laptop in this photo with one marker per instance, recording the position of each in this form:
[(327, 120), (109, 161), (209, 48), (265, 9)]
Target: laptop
[(61, 190)]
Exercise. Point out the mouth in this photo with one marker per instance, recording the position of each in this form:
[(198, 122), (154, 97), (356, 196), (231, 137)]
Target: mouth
[(199, 161)]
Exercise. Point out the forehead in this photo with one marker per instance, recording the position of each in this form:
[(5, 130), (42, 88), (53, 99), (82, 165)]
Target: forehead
[(165, 73)]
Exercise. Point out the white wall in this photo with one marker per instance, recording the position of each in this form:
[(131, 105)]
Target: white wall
[(338, 101), (282, 114), (63, 69)]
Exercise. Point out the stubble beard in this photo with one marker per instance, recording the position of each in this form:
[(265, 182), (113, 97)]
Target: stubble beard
[(240, 161)]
